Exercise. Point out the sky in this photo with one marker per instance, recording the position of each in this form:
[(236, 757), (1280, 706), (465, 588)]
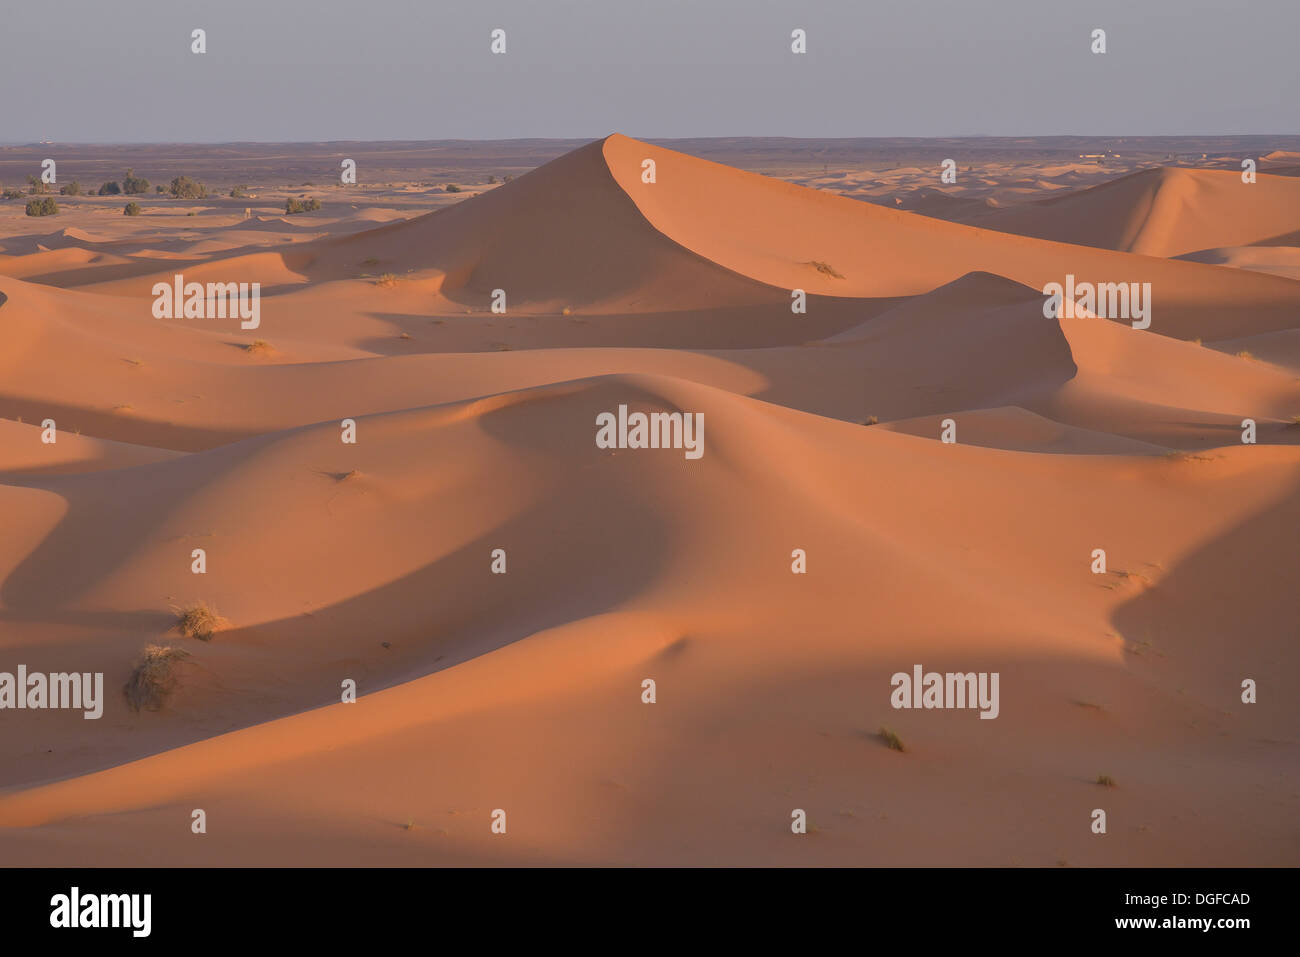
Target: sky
[(89, 71)]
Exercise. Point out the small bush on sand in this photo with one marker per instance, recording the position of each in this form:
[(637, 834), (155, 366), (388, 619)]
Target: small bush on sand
[(110, 189), (891, 739), (387, 280), (258, 346), (43, 207), (152, 680), (1105, 780), (871, 420), (200, 621), (70, 189), (239, 192), (131, 209), (451, 188)]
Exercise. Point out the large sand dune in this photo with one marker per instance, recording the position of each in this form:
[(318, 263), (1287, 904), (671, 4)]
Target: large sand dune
[(476, 431)]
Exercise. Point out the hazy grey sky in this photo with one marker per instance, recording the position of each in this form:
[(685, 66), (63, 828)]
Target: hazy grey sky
[(99, 71)]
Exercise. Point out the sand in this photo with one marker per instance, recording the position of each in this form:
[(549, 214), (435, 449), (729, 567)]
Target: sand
[(373, 562)]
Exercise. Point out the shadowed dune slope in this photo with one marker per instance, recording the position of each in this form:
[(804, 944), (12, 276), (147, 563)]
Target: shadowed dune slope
[(563, 235)]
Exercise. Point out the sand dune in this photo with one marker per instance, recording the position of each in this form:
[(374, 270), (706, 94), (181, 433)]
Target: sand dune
[(373, 561), (1020, 430), (544, 436), (1166, 211), (1277, 260), (779, 232)]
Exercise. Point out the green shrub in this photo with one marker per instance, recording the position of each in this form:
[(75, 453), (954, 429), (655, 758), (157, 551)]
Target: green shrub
[(451, 188), (42, 207), (110, 189), (134, 185), (12, 193), (36, 186), (70, 189), (159, 189), (182, 187), (308, 205), (239, 192), (131, 209)]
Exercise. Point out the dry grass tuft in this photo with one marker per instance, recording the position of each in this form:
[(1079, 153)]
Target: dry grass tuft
[(200, 621), (892, 740), (152, 680), (825, 269)]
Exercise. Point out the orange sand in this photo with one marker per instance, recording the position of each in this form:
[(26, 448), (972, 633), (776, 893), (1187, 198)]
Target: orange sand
[(475, 432)]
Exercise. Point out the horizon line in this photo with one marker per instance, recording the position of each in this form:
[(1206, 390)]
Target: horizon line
[(11, 144)]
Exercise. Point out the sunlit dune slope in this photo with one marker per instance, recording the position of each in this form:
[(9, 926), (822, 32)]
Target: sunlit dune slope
[(1165, 211)]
